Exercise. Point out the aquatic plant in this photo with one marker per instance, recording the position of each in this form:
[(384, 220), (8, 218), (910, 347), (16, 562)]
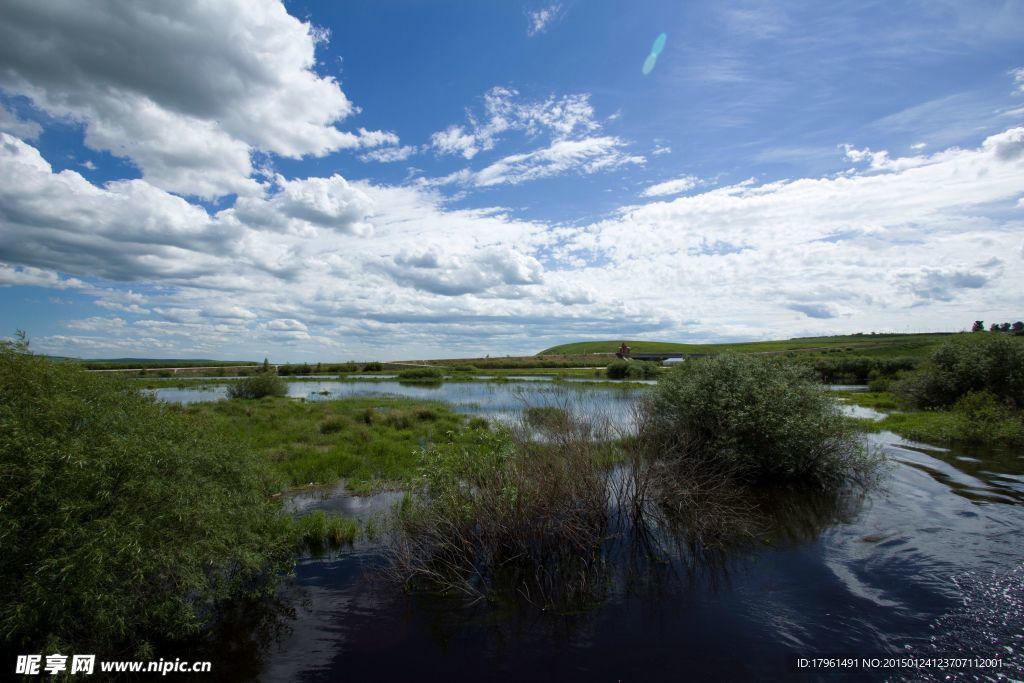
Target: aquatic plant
[(421, 374), (760, 416), (623, 369), (502, 516), (258, 386)]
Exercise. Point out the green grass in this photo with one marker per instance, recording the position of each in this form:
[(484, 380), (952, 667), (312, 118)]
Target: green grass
[(873, 345), (987, 425), (878, 400), (368, 441)]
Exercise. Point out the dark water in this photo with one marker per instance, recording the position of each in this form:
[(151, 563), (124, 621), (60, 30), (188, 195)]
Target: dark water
[(929, 562)]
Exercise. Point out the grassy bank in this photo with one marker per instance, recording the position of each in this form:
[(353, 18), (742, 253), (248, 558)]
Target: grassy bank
[(368, 441), (962, 423)]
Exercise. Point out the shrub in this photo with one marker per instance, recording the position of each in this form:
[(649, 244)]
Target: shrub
[(423, 374), (121, 519), (258, 386), (969, 362), (346, 367), (372, 367), (982, 418), (631, 369), (763, 417), (505, 518)]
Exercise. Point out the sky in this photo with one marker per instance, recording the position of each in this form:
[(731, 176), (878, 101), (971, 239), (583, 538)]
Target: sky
[(388, 179)]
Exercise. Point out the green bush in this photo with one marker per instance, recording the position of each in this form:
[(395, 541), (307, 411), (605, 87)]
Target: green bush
[(971, 362), (372, 367), (631, 369), (346, 367), (121, 519), (258, 386), (423, 374), (763, 417), (980, 417)]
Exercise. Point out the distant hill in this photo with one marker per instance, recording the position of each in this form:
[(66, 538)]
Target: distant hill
[(886, 345), (113, 363)]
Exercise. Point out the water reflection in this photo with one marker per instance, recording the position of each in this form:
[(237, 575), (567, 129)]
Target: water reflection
[(928, 563)]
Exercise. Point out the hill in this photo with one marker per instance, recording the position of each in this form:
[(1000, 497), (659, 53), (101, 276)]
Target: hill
[(873, 345)]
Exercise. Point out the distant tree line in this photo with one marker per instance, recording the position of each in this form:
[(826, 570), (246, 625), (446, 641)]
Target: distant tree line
[(1013, 328)]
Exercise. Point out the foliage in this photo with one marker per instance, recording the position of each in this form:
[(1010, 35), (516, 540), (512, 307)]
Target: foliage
[(764, 417), (120, 519), (421, 374), (372, 366), (258, 386), (969, 362), (631, 369)]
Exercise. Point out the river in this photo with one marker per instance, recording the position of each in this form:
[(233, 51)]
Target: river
[(927, 563)]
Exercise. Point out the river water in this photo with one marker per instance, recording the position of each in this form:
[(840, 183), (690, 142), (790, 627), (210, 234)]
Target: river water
[(927, 563)]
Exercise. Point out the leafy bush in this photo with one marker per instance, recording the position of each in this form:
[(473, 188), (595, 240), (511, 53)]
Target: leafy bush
[(346, 367), (632, 369), (982, 418), (121, 519), (258, 386), (423, 374), (372, 367), (971, 362), (764, 417)]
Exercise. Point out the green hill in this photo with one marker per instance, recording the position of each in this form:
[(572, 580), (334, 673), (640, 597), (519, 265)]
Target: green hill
[(877, 345)]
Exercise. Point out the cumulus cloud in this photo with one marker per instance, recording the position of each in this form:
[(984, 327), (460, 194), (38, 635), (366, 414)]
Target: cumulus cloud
[(357, 264), (301, 206), (186, 90), (472, 273)]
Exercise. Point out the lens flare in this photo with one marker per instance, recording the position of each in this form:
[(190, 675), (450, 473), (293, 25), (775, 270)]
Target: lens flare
[(649, 63), (659, 44)]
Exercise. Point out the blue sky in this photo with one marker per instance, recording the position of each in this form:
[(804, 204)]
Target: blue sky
[(326, 181)]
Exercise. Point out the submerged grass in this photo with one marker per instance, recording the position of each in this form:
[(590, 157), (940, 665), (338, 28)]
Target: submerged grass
[(369, 441)]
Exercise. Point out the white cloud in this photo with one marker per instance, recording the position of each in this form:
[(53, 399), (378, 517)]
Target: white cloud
[(206, 84), (1018, 78), (561, 117), (670, 187), (661, 149), (389, 154), (10, 123), (910, 243), (587, 155), (542, 19)]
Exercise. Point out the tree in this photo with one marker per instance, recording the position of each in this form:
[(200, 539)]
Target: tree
[(1005, 327), (1018, 327), (979, 326), (994, 327), (266, 365)]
